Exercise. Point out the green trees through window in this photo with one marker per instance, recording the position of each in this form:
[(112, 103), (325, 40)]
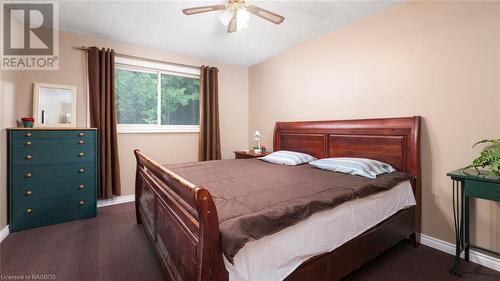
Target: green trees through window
[(139, 100), (136, 97), (180, 100)]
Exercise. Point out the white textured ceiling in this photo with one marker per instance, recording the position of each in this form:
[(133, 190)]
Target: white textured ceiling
[(161, 24)]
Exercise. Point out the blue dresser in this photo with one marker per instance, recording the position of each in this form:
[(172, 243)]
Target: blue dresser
[(52, 176)]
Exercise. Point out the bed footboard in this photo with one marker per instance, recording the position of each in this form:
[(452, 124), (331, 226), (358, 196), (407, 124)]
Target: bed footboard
[(181, 221)]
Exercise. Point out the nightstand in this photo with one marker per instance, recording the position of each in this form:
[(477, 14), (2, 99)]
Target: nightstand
[(469, 184), (249, 154)]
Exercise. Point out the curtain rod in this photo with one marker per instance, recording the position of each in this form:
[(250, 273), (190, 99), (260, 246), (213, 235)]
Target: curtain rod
[(85, 48)]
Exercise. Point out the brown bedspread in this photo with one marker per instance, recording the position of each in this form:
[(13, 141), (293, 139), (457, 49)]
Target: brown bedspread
[(255, 198)]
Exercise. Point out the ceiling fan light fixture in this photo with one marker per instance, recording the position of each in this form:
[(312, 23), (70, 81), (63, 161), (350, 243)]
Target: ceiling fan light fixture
[(225, 17), (242, 18), (236, 14)]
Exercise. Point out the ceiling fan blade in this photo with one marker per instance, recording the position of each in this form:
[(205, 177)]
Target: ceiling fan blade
[(204, 9), (232, 25), (265, 14)]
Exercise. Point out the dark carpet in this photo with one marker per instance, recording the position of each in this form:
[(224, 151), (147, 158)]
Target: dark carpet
[(113, 247)]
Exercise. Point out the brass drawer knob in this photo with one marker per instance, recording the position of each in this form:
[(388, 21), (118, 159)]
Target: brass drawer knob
[(82, 186), (29, 210), (28, 143), (82, 203), (28, 175), (28, 135), (81, 142), (81, 154), (81, 134), (28, 193), (81, 171), (29, 157)]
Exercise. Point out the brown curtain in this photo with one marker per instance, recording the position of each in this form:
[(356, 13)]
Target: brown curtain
[(209, 147), (101, 71)]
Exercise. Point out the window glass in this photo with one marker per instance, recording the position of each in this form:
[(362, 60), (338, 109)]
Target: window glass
[(136, 97), (180, 100)]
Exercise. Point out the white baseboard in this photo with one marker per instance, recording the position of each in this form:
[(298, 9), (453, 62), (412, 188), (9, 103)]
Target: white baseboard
[(115, 200), (475, 256), (3, 233)]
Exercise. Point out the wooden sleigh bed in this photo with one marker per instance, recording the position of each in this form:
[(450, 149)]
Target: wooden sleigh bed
[(181, 218)]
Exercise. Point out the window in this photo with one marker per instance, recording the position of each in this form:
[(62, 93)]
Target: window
[(156, 97)]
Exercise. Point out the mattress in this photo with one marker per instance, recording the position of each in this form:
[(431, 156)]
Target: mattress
[(255, 199), (275, 256)]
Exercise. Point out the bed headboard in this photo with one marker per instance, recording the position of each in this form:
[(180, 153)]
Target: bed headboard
[(392, 140)]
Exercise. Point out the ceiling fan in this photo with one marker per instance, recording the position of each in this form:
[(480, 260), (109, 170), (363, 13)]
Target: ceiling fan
[(236, 14)]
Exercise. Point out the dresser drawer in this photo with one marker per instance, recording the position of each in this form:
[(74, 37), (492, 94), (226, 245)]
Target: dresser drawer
[(53, 154), (41, 144), (23, 220), (82, 189), (49, 134), (60, 174), (482, 189), (56, 202), (50, 209)]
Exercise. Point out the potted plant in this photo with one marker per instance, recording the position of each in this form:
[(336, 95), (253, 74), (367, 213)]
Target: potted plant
[(489, 157), (28, 122)]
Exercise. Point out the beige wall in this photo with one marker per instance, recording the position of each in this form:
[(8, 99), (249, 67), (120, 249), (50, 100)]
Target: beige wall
[(8, 81), (440, 60), (163, 147)]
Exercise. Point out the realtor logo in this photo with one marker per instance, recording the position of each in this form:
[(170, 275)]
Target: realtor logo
[(30, 39)]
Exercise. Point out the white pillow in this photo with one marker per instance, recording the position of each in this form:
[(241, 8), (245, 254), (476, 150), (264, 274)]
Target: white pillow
[(290, 158), (354, 166)]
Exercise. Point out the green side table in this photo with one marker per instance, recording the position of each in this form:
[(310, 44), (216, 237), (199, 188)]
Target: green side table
[(468, 183)]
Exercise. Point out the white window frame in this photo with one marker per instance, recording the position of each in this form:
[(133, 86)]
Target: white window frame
[(157, 68)]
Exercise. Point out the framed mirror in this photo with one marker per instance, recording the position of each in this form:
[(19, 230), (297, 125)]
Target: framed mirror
[(54, 105)]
